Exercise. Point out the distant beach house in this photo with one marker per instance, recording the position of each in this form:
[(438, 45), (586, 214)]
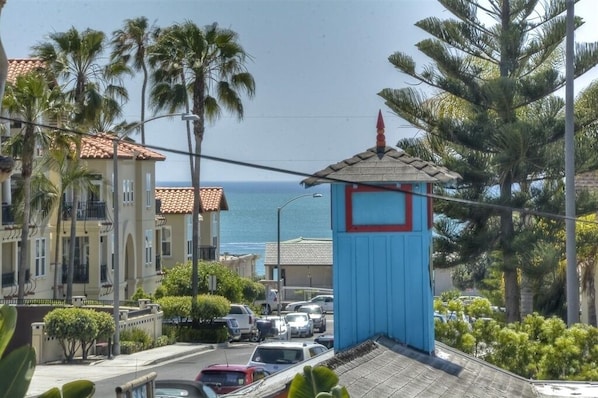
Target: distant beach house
[(305, 262), (176, 206)]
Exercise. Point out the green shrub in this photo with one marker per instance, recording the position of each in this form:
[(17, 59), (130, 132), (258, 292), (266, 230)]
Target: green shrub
[(130, 347), (209, 307), (140, 294), (73, 328), (203, 334), (138, 336), (189, 335), (162, 341), (106, 325), (175, 307)]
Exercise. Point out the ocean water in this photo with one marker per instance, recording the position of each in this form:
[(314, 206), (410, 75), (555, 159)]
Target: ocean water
[(251, 220)]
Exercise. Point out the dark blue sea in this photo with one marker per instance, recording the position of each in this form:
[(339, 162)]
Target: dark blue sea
[(251, 220)]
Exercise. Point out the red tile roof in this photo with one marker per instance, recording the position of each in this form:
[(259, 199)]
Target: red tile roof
[(100, 146), (21, 66), (179, 200)]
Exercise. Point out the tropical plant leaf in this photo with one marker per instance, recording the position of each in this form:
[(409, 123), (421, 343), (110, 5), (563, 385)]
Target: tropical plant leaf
[(78, 389), (74, 389), (8, 323), (312, 382), (53, 392), (17, 370)]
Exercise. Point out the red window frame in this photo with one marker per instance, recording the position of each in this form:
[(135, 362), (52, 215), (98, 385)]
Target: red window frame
[(405, 227)]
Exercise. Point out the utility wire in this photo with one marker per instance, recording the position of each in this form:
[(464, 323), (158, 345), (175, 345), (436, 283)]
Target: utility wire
[(492, 206)]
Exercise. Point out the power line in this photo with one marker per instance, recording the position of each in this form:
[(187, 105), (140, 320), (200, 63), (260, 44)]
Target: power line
[(492, 206)]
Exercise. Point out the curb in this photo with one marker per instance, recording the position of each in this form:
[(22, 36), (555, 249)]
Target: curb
[(178, 355)]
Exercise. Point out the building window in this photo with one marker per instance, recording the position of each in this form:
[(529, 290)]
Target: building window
[(128, 190), (189, 236), (166, 241), (40, 257), (148, 190), (149, 259)]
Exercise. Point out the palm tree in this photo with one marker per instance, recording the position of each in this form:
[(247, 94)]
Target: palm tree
[(129, 46), (71, 176), (496, 145), (205, 70), (73, 60), (31, 99)]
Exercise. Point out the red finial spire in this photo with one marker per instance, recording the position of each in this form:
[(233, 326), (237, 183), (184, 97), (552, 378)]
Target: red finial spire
[(380, 138)]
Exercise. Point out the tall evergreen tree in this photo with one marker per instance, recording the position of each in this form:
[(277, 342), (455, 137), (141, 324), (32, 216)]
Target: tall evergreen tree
[(202, 71), (504, 76)]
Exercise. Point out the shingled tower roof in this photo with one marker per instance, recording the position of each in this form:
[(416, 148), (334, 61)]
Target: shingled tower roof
[(382, 164)]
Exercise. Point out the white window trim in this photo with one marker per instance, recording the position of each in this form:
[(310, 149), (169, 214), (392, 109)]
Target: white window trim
[(149, 237), (169, 241), (40, 256)]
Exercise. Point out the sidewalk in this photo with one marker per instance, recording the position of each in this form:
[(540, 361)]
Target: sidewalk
[(55, 375)]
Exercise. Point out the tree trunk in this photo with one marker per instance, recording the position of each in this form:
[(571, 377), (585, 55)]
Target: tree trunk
[(57, 249), (591, 295), (26, 170), (72, 245), (527, 296)]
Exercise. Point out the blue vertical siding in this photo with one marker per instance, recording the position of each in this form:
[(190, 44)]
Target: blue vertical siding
[(382, 279)]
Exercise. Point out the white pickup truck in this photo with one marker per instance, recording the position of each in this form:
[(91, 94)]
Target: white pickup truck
[(246, 320), (270, 303)]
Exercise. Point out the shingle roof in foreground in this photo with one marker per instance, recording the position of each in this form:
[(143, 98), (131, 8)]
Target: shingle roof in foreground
[(387, 166), (382, 367), (385, 368)]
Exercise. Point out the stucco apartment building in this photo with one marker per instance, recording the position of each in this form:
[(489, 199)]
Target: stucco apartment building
[(146, 231)]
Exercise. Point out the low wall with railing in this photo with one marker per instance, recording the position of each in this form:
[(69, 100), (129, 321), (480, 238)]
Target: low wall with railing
[(146, 317)]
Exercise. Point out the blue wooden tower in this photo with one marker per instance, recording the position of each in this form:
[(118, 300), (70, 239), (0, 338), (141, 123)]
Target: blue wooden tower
[(382, 240)]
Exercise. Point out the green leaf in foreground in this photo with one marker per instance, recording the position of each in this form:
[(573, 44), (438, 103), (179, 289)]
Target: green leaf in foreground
[(17, 370)]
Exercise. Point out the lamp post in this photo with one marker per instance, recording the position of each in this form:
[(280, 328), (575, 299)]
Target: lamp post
[(115, 202), (315, 195)]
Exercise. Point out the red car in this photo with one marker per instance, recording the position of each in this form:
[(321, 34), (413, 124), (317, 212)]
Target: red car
[(227, 378)]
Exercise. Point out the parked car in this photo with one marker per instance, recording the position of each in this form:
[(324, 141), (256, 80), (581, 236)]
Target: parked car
[(316, 314), (273, 326), (182, 388), (234, 331), (280, 328), (327, 340), (279, 355), (227, 378), (300, 323), (326, 301), (246, 320)]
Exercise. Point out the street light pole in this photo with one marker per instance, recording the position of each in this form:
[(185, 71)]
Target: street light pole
[(315, 195), (115, 202)]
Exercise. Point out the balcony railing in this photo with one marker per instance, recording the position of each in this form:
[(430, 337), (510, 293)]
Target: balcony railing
[(80, 273), (91, 210), (207, 253), (8, 214), (10, 278)]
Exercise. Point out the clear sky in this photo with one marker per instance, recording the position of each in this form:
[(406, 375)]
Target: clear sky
[(318, 65)]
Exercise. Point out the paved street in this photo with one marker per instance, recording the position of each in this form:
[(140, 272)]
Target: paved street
[(182, 360)]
